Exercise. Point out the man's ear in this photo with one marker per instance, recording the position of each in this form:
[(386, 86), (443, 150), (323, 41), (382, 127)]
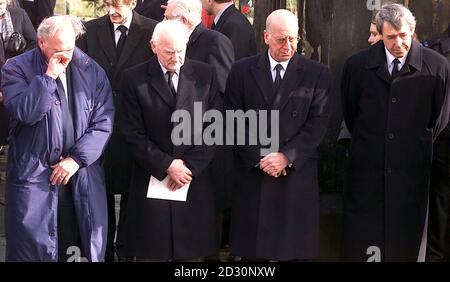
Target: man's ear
[(40, 43), (266, 37), (133, 4), (153, 46)]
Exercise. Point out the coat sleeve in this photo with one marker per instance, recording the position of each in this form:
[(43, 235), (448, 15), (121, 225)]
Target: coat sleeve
[(200, 156), (89, 147), (221, 56), (249, 156), (144, 151), (28, 102), (441, 101), (349, 95), (304, 145)]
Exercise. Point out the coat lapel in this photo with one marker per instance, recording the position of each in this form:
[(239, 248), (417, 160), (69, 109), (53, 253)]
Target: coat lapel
[(186, 86), (292, 78), (158, 82), (79, 86), (377, 59), (133, 39), (414, 59), (263, 78), (104, 33)]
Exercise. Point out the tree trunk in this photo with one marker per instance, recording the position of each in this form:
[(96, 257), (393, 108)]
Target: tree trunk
[(263, 8)]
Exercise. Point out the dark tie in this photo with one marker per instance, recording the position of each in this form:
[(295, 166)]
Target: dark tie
[(395, 70), (170, 82), (278, 79), (213, 26), (67, 122), (123, 37)]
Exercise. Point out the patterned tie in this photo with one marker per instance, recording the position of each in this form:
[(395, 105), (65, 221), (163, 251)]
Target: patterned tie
[(121, 43)]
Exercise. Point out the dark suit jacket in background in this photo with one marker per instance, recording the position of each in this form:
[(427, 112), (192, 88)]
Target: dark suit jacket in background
[(159, 229), (38, 10), (151, 9), (236, 26), (215, 49), (279, 218), (98, 42)]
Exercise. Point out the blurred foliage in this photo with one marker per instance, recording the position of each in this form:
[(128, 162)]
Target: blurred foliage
[(84, 9)]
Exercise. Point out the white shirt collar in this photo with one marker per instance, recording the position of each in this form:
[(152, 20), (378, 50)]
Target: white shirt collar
[(219, 14), (273, 63), (391, 58), (164, 70)]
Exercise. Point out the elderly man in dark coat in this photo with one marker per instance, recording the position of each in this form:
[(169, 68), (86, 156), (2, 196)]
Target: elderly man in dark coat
[(275, 206), (164, 229), (62, 114), (395, 101)]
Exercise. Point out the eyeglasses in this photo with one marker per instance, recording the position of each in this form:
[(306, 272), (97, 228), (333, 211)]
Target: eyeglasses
[(291, 39)]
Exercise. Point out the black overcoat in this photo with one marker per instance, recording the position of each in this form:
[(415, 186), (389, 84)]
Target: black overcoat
[(160, 229), (279, 218), (393, 124)]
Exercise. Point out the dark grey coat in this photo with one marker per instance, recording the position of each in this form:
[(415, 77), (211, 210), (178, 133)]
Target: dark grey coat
[(159, 229), (393, 124), (279, 218)]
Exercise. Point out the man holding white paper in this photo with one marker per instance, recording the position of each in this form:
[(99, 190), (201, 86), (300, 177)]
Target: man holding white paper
[(160, 228)]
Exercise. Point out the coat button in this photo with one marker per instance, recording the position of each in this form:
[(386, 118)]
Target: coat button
[(57, 150), (51, 233), (391, 136), (57, 102), (294, 114), (394, 100)]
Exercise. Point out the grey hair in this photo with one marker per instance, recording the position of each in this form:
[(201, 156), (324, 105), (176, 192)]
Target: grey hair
[(191, 10), (170, 28), (52, 25), (281, 14), (393, 14)]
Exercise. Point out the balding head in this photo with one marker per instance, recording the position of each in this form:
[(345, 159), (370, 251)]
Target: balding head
[(169, 42), (281, 35), (282, 18)]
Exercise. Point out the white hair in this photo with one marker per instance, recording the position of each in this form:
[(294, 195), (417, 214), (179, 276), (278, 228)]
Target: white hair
[(52, 25), (170, 29), (190, 10)]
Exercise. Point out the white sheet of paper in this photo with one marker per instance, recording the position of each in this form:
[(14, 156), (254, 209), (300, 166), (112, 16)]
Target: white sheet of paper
[(159, 190)]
